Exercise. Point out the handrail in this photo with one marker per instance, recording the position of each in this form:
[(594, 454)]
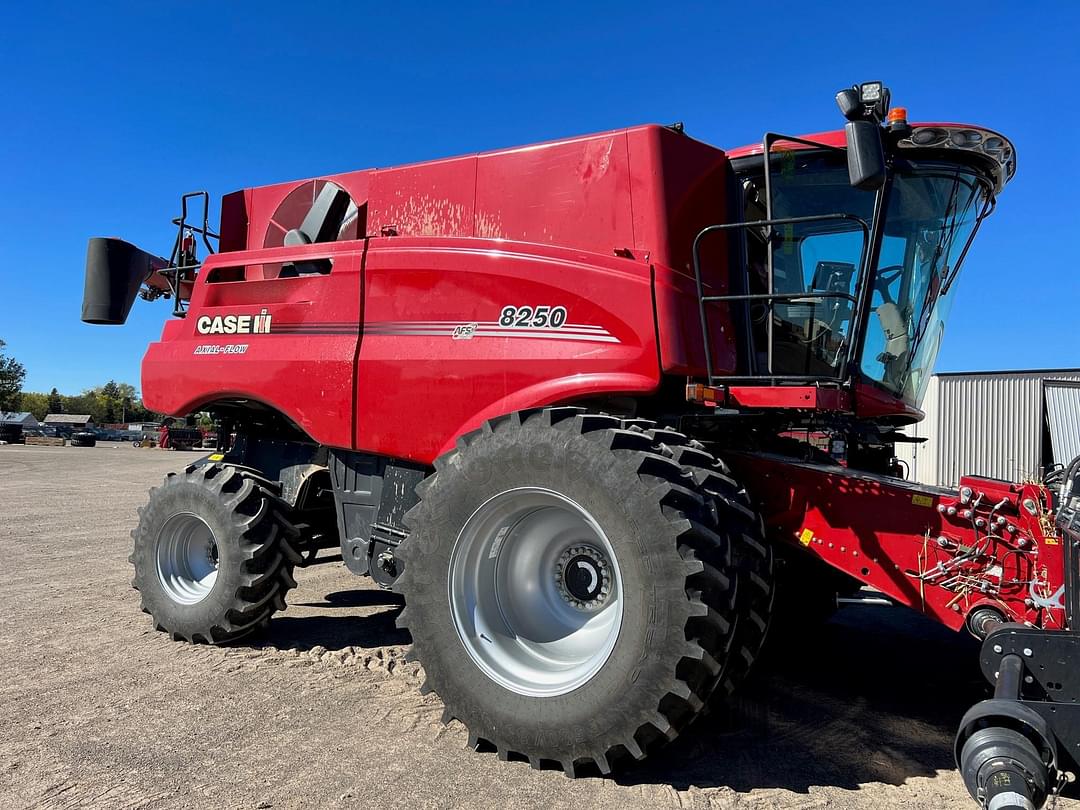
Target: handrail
[(703, 300), (179, 267)]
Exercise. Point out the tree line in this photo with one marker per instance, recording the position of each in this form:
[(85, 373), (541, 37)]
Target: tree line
[(110, 403), (113, 402)]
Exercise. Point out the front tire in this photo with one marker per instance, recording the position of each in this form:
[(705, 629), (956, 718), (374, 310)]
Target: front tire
[(213, 554), (752, 556), (594, 669)]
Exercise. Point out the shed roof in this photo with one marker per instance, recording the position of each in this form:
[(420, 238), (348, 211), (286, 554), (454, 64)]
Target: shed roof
[(1042, 372), (17, 417), (67, 418)]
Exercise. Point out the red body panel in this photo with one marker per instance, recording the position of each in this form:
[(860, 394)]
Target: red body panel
[(789, 397), (600, 226), (305, 374), (418, 388)]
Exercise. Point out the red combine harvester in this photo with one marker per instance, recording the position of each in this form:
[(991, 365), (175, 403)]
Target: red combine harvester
[(561, 398)]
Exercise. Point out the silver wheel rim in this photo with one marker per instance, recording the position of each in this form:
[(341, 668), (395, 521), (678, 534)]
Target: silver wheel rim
[(535, 592), (187, 558)]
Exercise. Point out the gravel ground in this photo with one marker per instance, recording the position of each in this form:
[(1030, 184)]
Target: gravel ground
[(98, 710)]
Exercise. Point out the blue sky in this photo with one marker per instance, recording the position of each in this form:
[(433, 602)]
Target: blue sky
[(112, 110)]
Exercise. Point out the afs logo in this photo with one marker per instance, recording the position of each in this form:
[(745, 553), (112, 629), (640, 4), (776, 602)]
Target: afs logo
[(465, 331), (234, 324)]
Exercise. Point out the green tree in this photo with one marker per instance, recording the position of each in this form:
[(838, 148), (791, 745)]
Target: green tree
[(12, 374), (85, 402), (140, 413), (37, 404), (109, 403)]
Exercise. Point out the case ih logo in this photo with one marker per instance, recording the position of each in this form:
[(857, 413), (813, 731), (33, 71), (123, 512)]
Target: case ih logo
[(233, 324)]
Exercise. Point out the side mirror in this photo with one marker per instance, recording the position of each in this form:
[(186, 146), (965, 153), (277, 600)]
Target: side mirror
[(865, 155), (115, 270)]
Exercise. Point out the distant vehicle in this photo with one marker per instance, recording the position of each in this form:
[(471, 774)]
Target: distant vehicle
[(183, 438), (144, 440)]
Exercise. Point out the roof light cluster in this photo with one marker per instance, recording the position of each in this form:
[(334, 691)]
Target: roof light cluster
[(971, 139)]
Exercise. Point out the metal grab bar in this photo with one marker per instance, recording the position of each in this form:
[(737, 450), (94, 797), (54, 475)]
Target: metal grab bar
[(704, 300), (179, 269)]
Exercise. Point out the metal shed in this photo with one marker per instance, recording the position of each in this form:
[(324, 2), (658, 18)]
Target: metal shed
[(23, 418), (1001, 424)]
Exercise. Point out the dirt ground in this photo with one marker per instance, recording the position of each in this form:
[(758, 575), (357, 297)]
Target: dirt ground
[(99, 710)]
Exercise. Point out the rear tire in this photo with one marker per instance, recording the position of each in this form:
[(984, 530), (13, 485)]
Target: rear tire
[(213, 554), (670, 569)]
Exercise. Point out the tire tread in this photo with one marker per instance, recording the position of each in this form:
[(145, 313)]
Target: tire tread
[(714, 529), (262, 531)]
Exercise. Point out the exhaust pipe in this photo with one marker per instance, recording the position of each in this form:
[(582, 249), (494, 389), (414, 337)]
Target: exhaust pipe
[(115, 270)]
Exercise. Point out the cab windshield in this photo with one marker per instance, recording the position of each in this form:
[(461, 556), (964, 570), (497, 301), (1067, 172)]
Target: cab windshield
[(931, 216), (931, 212)]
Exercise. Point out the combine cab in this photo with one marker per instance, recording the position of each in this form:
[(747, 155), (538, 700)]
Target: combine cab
[(568, 399)]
